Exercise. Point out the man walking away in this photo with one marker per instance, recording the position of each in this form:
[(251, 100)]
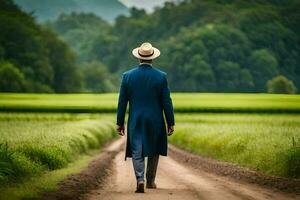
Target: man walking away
[(146, 89)]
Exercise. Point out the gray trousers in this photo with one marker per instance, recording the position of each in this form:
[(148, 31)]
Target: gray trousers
[(139, 167), (138, 161)]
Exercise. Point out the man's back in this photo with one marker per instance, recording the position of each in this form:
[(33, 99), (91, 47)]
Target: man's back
[(146, 90)]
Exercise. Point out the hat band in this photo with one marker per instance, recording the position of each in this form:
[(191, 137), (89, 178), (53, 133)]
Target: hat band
[(146, 55)]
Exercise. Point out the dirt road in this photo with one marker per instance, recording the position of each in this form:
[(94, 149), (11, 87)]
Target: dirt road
[(176, 181)]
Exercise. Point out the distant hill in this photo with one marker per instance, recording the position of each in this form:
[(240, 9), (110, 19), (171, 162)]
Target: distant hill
[(51, 9), (147, 5)]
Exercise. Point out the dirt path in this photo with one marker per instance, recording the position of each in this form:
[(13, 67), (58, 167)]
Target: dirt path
[(176, 181)]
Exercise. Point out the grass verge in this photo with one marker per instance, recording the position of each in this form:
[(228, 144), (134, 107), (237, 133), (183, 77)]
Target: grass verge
[(267, 143), (34, 144), (32, 187)]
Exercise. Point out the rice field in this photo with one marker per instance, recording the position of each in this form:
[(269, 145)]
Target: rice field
[(46, 132), (269, 143), (183, 103)]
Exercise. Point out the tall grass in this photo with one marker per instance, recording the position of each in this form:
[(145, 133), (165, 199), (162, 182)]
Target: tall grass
[(267, 143), (6, 163), (34, 143)]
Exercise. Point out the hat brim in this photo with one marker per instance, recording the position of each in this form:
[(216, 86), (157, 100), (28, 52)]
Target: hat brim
[(136, 54)]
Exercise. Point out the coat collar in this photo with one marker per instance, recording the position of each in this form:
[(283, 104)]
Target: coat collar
[(145, 65)]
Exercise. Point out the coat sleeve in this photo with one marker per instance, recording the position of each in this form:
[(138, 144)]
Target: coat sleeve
[(122, 104), (167, 102)]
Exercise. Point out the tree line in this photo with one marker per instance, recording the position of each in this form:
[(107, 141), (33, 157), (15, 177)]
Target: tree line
[(207, 46), (33, 58)]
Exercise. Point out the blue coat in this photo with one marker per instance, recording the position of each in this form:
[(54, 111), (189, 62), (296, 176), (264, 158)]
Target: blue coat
[(146, 89)]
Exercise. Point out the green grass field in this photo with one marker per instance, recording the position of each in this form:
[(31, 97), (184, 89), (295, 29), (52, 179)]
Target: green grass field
[(183, 102), (31, 144), (269, 143), (42, 134)]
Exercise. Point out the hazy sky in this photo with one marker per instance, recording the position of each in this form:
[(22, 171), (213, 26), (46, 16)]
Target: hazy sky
[(146, 4)]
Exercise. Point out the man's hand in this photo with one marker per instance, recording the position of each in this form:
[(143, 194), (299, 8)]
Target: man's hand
[(121, 130), (170, 130)]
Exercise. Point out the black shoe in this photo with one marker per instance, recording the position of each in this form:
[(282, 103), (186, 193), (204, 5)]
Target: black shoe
[(140, 188), (151, 185)]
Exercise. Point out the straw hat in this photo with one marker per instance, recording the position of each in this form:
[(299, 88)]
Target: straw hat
[(146, 52)]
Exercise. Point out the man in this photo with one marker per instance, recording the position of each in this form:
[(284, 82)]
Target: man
[(146, 90)]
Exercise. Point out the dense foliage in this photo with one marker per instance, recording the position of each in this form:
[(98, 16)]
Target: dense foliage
[(79, 31), (281, 85), (32, 58), (207, 46), (212, 46), (11, 78)]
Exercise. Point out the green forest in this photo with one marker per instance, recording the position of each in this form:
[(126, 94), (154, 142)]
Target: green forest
[(207, 46)]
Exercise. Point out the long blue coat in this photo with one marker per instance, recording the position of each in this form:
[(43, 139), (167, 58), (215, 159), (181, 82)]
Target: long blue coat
[(146, 89)]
